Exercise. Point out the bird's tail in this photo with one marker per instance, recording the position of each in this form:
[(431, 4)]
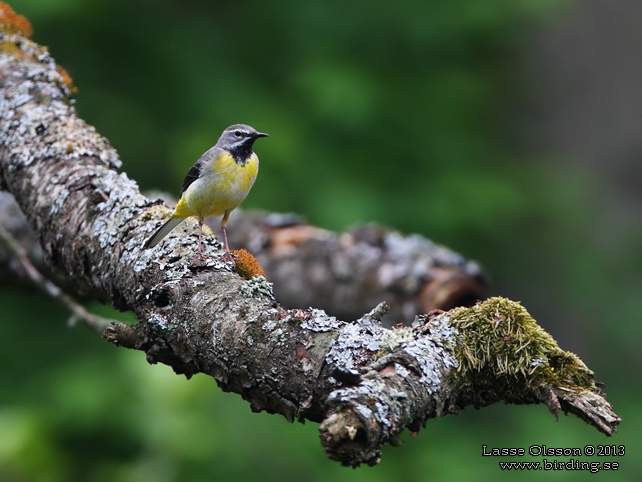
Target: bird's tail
[(163, 231)]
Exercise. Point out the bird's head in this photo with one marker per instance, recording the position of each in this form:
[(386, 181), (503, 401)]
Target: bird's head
[(238, 140)]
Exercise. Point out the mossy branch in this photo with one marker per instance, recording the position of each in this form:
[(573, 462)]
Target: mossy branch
[(491, 352), (505, 355), (503, 350)]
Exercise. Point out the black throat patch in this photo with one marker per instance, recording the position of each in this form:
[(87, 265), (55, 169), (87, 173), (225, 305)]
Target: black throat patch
[(242, 152)]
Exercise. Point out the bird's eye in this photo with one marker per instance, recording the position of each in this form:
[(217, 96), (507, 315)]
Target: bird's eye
[(237, 133)]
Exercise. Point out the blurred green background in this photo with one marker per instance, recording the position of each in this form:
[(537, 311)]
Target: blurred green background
[(435, 117)]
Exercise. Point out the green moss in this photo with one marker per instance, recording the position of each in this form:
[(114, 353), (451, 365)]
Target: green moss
[(504, 354), (9, 48)]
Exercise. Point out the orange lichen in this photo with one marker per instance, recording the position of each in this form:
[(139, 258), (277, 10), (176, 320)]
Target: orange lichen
[(66, 79), (11, 22), (247, 265)]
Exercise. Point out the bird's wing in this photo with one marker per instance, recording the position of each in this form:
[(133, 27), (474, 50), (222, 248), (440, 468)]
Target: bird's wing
[(192, 175), (195, 171)]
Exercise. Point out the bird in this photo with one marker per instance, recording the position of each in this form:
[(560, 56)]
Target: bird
[(216, 184)]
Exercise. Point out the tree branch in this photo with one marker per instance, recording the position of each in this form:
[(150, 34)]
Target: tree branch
[(349, 273), (364, 383), (345, 274)]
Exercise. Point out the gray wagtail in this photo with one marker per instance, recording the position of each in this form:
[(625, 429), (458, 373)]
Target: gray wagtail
[(216, 184)]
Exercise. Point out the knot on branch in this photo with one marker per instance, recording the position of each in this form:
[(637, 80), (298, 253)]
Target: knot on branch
[(122, 334), (347, 438)]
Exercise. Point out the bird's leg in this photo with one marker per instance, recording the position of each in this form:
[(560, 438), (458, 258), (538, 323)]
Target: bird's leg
[(201, 248), (200, 240), (227, 256)]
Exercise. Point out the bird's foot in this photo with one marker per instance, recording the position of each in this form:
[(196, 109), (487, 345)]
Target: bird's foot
[(200, 257), (228, 256)]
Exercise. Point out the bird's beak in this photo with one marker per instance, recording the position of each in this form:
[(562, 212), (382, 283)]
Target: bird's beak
[(260, 134)]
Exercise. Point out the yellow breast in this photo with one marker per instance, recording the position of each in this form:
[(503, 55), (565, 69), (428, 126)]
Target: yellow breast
[(223, 185)]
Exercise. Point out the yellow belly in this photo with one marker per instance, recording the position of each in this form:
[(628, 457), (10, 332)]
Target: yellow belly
[(222, 187)]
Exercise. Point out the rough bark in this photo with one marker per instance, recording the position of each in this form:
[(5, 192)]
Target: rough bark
[(364, 383)]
